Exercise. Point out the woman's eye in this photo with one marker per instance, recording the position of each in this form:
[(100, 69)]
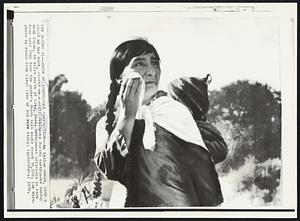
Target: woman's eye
[(155, 63), (139, 64)]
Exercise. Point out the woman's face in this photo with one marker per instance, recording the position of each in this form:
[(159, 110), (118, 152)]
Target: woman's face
[(148, 67)]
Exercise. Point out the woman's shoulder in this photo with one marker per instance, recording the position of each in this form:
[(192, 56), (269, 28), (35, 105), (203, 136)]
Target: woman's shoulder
[(160, 93)]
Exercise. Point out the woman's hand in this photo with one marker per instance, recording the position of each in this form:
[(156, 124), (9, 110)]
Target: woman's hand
[(130, 97), (129, 101)]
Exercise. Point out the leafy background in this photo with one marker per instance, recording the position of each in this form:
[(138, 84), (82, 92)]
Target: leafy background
[(248, 114)]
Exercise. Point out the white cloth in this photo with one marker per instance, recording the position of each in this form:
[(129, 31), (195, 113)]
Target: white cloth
[(174, 117), (169, 114)]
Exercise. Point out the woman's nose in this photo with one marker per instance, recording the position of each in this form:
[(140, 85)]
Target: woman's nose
[(150, 71)]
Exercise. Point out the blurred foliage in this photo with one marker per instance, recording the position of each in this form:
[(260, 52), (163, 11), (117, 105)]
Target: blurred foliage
[(72, 131), (249, 117), (265, 176), (253, 184)]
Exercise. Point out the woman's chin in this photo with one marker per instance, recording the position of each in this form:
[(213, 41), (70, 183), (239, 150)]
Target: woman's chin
[(149, 95)]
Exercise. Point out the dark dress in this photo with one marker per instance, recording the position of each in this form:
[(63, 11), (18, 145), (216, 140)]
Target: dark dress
[(176, 173)]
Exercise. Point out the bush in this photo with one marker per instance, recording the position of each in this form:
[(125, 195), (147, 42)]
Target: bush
[(257, 184)]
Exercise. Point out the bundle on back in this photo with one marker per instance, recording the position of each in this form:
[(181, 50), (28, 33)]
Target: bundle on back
[(193, 93)]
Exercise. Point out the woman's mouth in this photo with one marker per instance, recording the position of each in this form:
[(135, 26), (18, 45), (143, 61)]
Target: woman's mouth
[(150, 82)]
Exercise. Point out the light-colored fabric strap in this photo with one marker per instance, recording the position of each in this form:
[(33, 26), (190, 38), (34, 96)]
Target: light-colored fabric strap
[(174, 117)]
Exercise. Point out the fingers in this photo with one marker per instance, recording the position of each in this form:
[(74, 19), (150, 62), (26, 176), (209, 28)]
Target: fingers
[(139, 87), (130, 90), (134, 86), (130, 97), (128, 87), (123, 87)]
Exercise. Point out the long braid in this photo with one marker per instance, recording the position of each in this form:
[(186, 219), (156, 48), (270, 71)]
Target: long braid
[(110, 116)]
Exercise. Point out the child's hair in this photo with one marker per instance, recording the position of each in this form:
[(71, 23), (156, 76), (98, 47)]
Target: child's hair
[(192, 92), (120, 59)]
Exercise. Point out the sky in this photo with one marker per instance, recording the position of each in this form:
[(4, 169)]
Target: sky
[(80, 46)]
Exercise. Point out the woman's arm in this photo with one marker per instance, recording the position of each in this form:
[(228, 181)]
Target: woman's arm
[(109, 155), (110, 151)]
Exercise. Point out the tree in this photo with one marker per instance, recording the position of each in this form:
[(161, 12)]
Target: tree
[(69, 130), (252, 113)]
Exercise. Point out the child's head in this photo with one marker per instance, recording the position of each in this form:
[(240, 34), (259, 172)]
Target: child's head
[(192, 92)]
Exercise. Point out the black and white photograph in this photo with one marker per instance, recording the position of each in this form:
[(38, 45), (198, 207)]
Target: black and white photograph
[(155, 106)]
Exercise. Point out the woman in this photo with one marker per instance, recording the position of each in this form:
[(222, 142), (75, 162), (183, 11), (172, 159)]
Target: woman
[(150, 142)]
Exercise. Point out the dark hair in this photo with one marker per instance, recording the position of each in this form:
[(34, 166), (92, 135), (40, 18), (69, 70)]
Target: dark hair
[(120, 59), (192, 92)]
